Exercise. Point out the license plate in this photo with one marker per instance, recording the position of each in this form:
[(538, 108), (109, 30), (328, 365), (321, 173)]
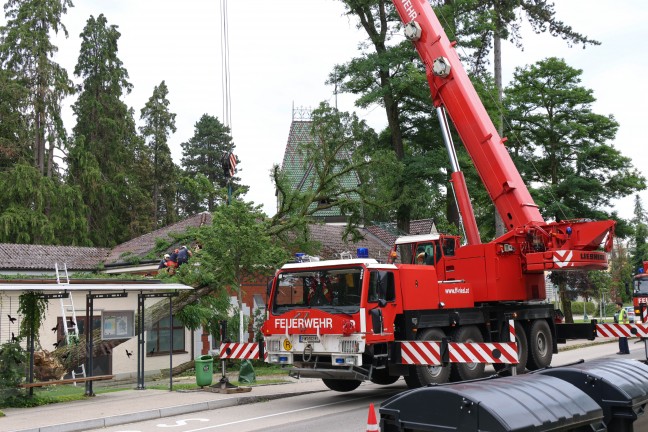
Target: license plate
[(308, 339)]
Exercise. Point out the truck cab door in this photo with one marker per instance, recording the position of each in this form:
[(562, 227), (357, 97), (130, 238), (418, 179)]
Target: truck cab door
[(382, 305)]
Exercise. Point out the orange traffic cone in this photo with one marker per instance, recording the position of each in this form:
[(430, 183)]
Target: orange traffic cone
[(372, 424)]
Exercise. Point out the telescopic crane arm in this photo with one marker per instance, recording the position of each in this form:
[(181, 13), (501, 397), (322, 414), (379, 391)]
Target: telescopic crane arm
[(451, 88)]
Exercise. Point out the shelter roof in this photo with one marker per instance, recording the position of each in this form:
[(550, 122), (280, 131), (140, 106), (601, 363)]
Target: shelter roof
[(90, 285)]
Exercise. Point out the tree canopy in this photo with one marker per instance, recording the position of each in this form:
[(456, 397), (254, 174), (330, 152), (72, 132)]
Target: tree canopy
[(564, 150)]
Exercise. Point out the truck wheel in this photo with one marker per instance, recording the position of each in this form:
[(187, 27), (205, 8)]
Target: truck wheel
[(467, 371), (523, 350), (540, 345), (382, 377), (421, 376), (341, 385)]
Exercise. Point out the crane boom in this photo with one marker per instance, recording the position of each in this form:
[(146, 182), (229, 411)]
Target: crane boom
[(454, 90), (542, 245)]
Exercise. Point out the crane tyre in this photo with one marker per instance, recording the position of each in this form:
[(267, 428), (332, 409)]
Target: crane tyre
[(523, 350), (412, 379), (540, 345), (341, 385), (382, 377), (425, 375), (467, 371)]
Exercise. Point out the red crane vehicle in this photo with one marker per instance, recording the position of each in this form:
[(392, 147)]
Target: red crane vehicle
[(640, 293), (357, 319)]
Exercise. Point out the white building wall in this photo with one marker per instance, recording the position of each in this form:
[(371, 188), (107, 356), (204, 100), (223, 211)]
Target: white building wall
[(122, 365)]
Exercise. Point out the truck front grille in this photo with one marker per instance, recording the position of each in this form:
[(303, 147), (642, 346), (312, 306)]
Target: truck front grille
[(349, 346), (273, 345)]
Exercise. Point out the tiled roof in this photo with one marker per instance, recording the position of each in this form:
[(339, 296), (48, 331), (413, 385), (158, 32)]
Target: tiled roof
[(422, 226), (330, 237), (302, 176), (388, 232), (377, 238), (144, 244), (37, 257)]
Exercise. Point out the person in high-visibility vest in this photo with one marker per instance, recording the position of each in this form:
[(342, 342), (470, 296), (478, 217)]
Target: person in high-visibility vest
[(622, 318)]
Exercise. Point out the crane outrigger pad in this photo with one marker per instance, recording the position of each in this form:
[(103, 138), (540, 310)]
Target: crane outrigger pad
[(523, 403)]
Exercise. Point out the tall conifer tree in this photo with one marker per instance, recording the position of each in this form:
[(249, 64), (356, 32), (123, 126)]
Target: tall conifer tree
[(203, 153), (159, 124), (14, 144), (36, 207), (27, 50), (101, 161)]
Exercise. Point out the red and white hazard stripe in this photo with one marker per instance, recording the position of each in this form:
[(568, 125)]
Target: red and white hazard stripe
[(483, 352), (420, 353), (429, 353), (239, 351), (511, 325), (621, 330)]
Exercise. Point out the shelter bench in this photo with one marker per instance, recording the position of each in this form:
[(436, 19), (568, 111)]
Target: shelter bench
[(67, 381)]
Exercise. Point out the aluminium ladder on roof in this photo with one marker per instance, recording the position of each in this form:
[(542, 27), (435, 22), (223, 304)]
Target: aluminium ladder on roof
[(70, 332)]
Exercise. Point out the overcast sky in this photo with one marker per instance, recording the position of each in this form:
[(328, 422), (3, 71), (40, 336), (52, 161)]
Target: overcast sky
[(281, 52)]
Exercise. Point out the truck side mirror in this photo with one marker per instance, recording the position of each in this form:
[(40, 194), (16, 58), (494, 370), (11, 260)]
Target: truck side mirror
[(382, 302)]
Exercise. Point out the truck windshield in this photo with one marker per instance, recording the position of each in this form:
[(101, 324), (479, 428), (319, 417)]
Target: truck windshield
[(334, 290), (641, 285)]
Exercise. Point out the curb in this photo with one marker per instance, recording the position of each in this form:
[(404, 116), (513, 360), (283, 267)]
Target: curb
[(159, 413)]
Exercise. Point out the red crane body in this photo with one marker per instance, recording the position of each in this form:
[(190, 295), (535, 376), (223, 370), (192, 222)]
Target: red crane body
[(539, 246), (350, 320)]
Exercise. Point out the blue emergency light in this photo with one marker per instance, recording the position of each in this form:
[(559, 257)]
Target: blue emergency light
[(363, 253)]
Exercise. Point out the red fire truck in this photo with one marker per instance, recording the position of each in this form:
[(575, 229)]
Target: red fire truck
[(640, 294)]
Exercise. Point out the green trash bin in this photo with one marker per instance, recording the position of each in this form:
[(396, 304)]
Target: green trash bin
[(204, 370)]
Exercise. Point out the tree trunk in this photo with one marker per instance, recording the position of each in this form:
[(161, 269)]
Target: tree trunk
[(565, 303)]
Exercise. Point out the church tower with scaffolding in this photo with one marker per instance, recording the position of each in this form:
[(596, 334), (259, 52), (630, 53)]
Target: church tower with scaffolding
[(302, 174)]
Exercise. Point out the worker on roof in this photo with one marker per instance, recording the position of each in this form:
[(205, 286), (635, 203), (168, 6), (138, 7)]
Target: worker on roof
[(163, 262), (183, 255)]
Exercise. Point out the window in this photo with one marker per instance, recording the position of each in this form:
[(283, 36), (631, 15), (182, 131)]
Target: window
[(81, 320), (449, 247), (428, 253), (159, 336), (335, 289), (381, 286)]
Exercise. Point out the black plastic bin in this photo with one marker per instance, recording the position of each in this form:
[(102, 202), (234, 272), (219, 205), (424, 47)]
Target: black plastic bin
[(526, 403), (619, 386)]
